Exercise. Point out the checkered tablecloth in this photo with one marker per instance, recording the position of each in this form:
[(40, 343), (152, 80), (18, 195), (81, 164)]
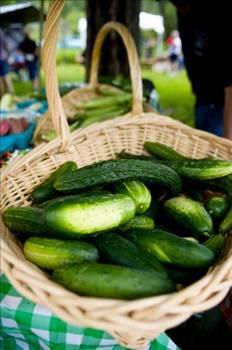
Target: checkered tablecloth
[(29, 326)]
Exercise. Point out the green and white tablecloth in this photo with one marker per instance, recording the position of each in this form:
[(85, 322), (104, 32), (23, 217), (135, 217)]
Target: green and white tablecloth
[(29, 326)]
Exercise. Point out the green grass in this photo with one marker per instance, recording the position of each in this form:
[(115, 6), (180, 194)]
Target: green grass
[(175, 94)]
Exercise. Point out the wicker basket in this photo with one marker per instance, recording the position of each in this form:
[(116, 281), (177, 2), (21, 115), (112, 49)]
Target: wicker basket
[(132, 323)]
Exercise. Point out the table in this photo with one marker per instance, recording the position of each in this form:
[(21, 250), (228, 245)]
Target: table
[(29, 326)]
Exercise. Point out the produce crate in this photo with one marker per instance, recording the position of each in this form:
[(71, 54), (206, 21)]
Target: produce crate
[(131, 323)]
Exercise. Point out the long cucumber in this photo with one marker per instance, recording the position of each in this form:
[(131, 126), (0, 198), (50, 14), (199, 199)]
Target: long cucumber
[(110, 281), (171, 249), (120, 170)]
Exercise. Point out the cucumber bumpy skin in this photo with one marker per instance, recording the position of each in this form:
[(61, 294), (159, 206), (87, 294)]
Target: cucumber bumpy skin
[(118, 170)]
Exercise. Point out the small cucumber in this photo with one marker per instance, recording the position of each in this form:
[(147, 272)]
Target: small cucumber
[(86, 215), (119, 170), (138, 192), (110, 281), (51, 254), (215, 243), (45, 191), (140, 221), (217, 207), (119, 251), (226, 224), (25, 221), (171, 249), (162, 151), (189, 215), (201, 169)]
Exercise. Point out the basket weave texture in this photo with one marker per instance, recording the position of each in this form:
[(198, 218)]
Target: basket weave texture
[(132, 323)]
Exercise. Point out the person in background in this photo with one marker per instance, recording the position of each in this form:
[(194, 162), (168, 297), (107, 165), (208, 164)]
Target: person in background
[(174, 50), (30, 50), (205, 33), (5, 82)]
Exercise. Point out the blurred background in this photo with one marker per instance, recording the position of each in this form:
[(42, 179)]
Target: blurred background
[(153, 25)]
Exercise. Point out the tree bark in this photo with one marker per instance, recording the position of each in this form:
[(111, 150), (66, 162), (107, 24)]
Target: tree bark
[(113, 58)]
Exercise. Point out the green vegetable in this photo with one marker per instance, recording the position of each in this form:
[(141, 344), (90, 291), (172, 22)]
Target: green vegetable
[(119, 251), (217, 207), (189, 215), (109, 281), (85, 215), (52, 253), (138, 192), (216, 244), (45, 191), (25, 221), (171, 249), (226, 224), (119, 170), (201, 169), (162, 151), (140, 221)]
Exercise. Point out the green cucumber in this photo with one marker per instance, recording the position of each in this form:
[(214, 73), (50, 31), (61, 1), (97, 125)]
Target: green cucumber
[(119, 251), (50, 253), (138, 192), (189, 215), (140, 221), (110, 281), (162, 151), (201, 169), (86, 215), (117, 170), (217, 207), (25, 221), (215, 243), (171, 249), (226, 224), (45, 190)]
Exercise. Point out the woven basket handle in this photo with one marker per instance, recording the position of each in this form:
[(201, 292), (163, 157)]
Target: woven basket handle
[(51, 28), (135, 71)]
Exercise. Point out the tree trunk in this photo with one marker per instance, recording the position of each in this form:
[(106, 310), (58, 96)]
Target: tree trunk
[(113, 59)]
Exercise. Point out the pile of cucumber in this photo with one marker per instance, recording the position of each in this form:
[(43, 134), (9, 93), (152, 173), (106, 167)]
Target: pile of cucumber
[(128, 228), (107, 104)]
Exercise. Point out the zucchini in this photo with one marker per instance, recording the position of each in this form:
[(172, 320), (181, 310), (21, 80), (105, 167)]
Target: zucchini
[(86, 215), (140, 221), (45, 190), (171, 249), (110, 281), (50, 253), (162, 151), (189, 215), (119, 251), (215, 243), (138, 192), (117, 170), (201, 169), (217, 207), (25, 221), (226, 224)]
